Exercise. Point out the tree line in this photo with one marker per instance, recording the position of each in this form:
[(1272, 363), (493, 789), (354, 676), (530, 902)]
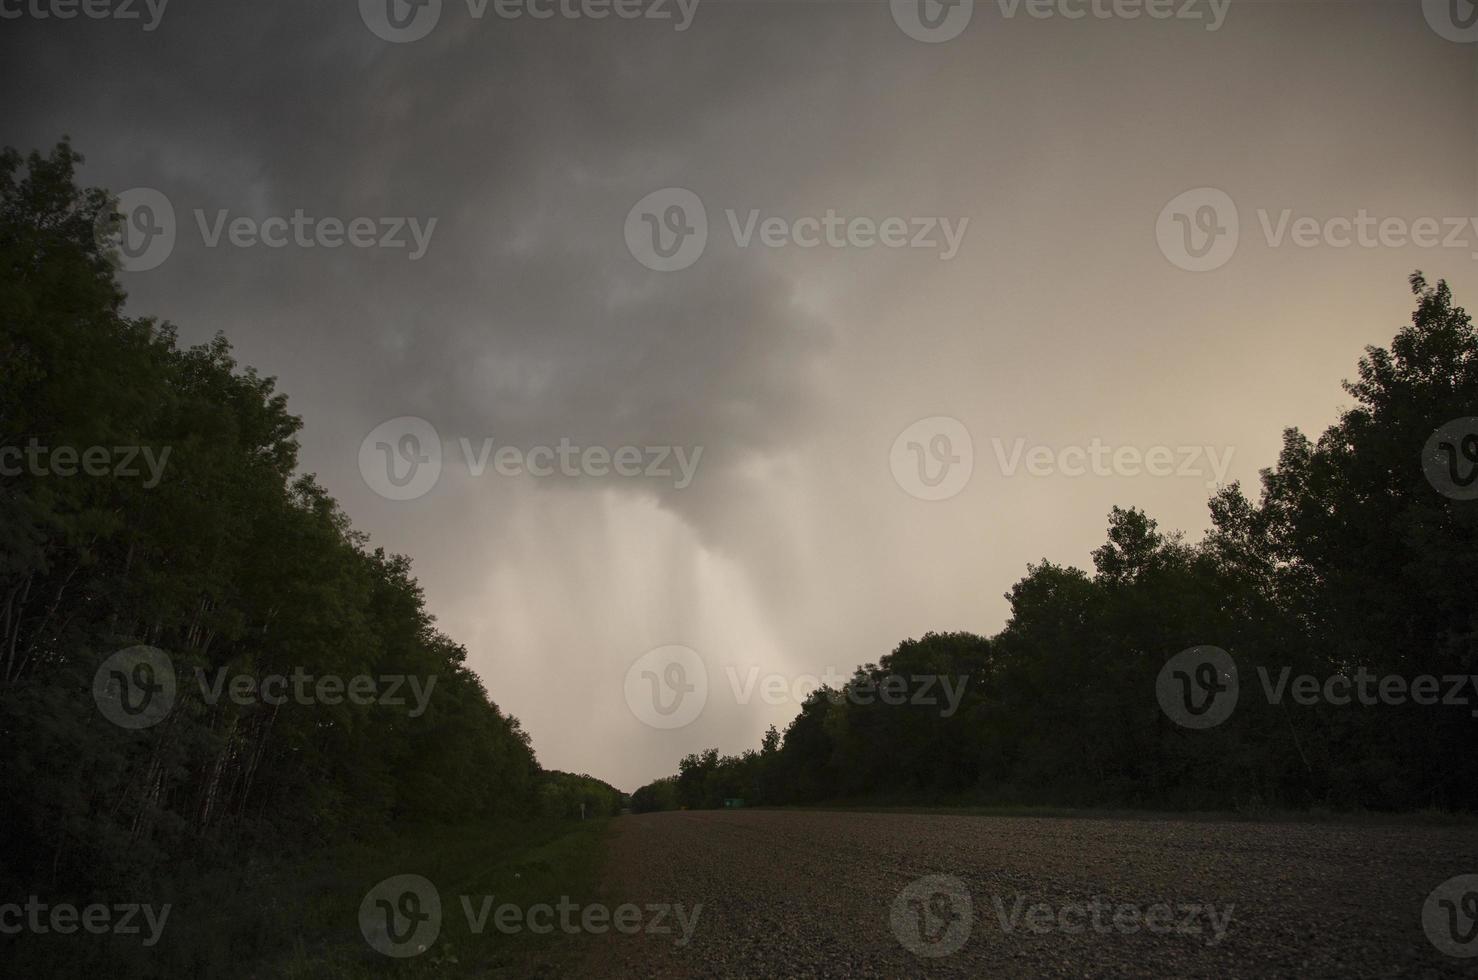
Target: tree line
[(1359, 558), (231, 561)]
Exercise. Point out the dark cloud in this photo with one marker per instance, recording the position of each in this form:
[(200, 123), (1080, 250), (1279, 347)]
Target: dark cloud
[(528, 320)]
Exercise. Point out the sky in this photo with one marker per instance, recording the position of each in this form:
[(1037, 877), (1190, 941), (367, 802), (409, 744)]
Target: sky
[(842, 312)]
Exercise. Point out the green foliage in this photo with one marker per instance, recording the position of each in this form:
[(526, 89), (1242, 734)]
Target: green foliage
[(660, 794), (231, 562), (1350, 559), (565, 794)]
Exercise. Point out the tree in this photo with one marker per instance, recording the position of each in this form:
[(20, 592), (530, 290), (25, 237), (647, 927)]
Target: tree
[(224, 557)]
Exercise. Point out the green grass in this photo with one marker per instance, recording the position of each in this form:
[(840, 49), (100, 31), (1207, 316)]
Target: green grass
[(299, 918), (519, 863)]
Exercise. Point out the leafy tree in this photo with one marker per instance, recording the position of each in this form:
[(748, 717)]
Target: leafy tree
[(1350, 561), (234, 564)]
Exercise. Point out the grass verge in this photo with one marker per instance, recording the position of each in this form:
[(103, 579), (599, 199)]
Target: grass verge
[(299, 918)]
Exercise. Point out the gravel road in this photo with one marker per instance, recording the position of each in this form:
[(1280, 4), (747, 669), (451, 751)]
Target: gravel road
[(828, 894)]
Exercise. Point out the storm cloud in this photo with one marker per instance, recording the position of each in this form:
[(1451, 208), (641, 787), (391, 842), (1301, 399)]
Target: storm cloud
[(1053, 143)]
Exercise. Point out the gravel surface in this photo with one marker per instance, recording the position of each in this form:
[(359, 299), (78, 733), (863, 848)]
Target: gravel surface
[(829, 894)]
